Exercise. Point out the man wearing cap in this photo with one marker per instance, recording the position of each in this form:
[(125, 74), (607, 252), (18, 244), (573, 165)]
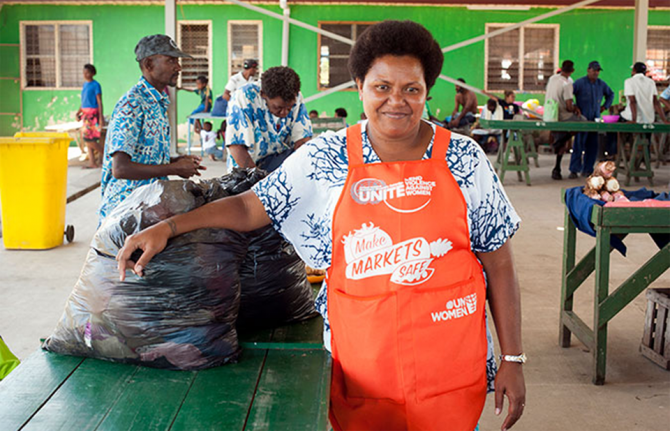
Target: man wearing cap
[(640, 92), (137, 148), (247, 75), (589, 92), (560, 89), (266, 121)]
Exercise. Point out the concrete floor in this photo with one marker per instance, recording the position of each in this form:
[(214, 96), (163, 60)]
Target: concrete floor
[(636, 396)]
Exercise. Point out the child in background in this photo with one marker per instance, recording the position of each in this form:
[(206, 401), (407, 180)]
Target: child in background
[(205, 93), (208, 141), (91, 115)]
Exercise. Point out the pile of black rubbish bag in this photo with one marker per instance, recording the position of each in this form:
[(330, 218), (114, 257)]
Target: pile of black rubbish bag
[(184, 313)]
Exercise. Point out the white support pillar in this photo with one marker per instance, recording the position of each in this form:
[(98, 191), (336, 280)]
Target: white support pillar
[(285, 32), (640, 29), (171, 30)]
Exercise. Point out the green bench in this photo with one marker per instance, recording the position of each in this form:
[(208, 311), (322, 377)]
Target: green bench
[(282, 382)]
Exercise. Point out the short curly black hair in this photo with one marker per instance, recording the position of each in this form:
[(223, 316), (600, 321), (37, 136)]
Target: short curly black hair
[(90, 68), (280, 81), (396, 38)]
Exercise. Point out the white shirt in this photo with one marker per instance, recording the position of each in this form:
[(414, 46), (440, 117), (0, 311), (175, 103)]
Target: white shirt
[(644, 90), (208, 139), (559, 88), (237, 81), (488, 115)]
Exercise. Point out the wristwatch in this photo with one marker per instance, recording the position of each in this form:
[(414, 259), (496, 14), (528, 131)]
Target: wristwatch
[(519, 359)]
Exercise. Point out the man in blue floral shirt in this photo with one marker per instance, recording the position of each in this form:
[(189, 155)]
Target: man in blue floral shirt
[(137, 148), (267, 121)]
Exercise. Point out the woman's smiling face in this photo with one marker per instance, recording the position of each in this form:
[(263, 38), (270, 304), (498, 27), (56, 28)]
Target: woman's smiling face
[(394, 94)]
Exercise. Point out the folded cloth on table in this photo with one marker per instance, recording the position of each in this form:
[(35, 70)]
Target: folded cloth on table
[(580, 207)]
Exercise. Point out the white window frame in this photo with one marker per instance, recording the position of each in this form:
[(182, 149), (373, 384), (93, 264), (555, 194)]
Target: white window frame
[(208, 23), (56, 24), (318, 47), (557, 35), (230, 43)]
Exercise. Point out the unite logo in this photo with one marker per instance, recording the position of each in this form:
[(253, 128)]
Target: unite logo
[(374, 191), (456, 308), (370, 252)]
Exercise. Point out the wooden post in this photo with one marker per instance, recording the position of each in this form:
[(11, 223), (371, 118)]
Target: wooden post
[(640, 31), (171, 30)]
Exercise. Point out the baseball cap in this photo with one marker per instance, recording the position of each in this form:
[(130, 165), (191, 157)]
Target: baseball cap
[(157, 44), (594, 65), (250, 63), (639, 67)]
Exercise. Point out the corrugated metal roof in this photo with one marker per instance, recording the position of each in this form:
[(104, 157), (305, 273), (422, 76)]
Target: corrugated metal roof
[(478, 3)]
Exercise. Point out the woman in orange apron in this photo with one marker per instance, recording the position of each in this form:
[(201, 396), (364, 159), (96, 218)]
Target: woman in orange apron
[(407, 219)]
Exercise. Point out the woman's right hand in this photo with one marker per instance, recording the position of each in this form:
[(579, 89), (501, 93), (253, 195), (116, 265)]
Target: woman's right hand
[(151, 241)]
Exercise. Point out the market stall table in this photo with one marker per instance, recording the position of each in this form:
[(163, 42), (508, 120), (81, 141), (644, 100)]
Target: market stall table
[(626, 165), (607, 221), (281, 382)]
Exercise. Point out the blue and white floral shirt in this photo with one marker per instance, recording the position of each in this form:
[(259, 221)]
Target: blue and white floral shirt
[(301, 195), (139, 127), (250, 123)]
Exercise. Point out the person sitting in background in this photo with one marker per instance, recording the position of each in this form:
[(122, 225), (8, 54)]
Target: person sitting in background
[(489, 139), (560, 90), (205, 93), (313, 114), (589, 92), (242, 78), (342, 113), (267, 121), (468, 100), (208, 141), (91, 115), (510, 109), (640, 92)]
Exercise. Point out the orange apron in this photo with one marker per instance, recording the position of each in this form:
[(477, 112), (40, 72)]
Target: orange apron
[(406, 298)]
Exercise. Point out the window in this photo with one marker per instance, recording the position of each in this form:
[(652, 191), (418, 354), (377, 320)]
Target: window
[(521, 59), (658, 55), (54, 53), (195, 40), (244, 42), (333, 54)]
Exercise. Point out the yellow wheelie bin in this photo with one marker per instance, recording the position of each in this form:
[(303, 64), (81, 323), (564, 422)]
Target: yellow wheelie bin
[(33, 181)]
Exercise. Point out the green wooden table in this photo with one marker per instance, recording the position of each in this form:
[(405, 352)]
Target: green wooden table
[(607, 222), (630, 166), (281, 382)]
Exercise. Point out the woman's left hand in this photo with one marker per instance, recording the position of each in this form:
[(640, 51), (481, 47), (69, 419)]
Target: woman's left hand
[(510, 382)]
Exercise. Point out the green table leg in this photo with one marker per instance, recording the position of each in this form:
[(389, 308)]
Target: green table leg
[(569, 242), (531, 150), (515, 147), (601, 291), (639, 153)]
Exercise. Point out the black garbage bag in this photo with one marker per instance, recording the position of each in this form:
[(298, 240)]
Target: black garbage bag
[(181, 314), (275, 289)]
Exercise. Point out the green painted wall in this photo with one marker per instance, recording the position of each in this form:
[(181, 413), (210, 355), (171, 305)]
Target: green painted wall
[(585, 35)]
